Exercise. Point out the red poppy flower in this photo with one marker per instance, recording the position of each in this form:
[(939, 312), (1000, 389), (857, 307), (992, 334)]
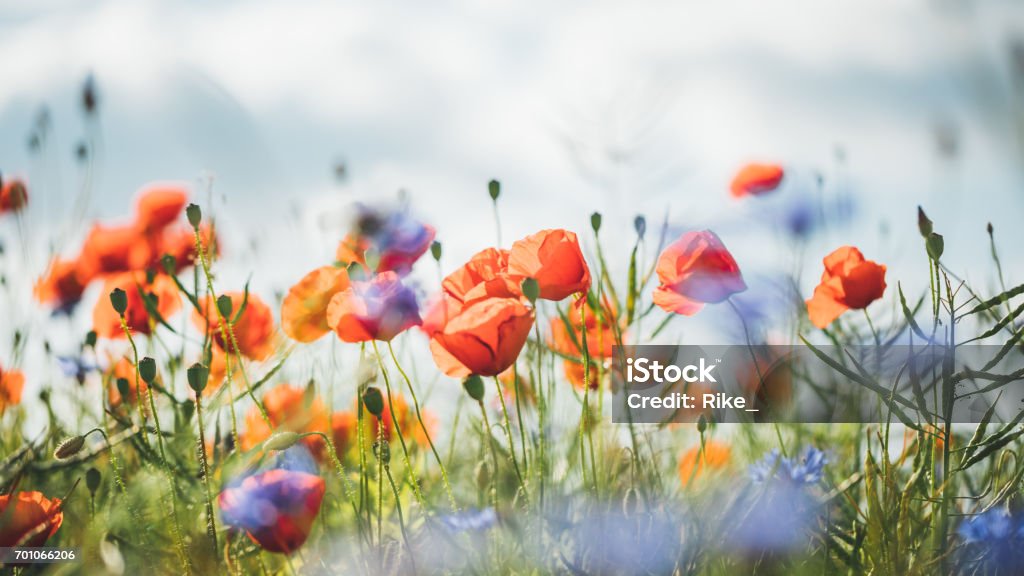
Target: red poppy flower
[(122, 369), (756, 179), (276, 508), (112, 249), (343, 431), (483, 337), (28, 519), (13, 196), (105, 320), (694, 270), (11, 384), (695, 462), (304, 309), (485, 275), (181, 243), (600, 331), (849, 281), (62, 285), (379, 309), (253, 330), (159, 206), (553, 258)]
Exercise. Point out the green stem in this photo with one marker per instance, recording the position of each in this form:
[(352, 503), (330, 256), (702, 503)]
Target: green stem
[(398, 429)]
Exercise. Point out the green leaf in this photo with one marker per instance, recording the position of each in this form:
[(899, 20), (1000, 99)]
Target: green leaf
[(996, 300)]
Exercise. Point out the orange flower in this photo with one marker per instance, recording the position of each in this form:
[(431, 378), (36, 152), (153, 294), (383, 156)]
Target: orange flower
[(304, 310), (13, 196), (693, 463), (105, 320), (253, 330), (376, 310), (288, 408), (485, 275), (756, 179), (61, 286), (181, 243), (483, 337), (276, 508), (11, 384), (849, 281), (553, 258), (112, 249), (574, 373), (600, 331), (352, 250), (694, 270), (158, 206), (28, 519)]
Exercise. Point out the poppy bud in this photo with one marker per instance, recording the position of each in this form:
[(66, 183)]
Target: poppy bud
[(123, 388), (494, 189), (595, 221), (119, 300), (282, 440), (69, 447), (474, 386), (924, 225), (188, 408), (935, 245), (194, 214), (92, 480), (989, 229), (90, 339), (374, 401), (147, 370), (531, 290), (435, 250), (640, 225), (702, 424), (198, 375), (89, 99), (170, 263), (224, 306)]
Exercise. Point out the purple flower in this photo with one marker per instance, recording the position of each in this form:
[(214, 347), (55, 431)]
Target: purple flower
[(471, 520), (805, 470), (397, 237), (994, 538), (77, 367)]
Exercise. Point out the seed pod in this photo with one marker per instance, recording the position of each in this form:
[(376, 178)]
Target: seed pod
[(147, 370), (224, 306), (123, 388), (374, 401), (435, 250), (198, 375), (69, 447), (595, 221), (494, 189)]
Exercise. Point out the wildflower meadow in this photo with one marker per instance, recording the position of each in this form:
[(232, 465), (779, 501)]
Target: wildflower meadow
[(173, 401)]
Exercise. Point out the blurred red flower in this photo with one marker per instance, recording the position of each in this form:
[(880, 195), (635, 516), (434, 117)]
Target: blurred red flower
[(13, 195), (11, 384), (253, 330), (756, 179), (276, 508), (62, 285), (849, 281), (28, 519), (106, 322), (378, 309), (288, 408), (158, 206), (694, 270)]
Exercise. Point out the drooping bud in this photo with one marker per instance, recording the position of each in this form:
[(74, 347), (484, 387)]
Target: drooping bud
[(69, 447), (282, 440)]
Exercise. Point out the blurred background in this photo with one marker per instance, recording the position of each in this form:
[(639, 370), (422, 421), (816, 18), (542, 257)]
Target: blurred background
[(282, 114)]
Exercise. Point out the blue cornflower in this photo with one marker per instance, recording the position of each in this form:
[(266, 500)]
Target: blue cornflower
[(997, 535), (808, 469), (471, 520), (77, 367)]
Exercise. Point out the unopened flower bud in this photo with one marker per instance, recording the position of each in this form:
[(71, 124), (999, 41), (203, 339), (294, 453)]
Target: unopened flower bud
[(69, 447), (494, 189), (119, 300), (194, 214), (374, 401), (197, 375), (281, 440), (147, 370), (474, 386)]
